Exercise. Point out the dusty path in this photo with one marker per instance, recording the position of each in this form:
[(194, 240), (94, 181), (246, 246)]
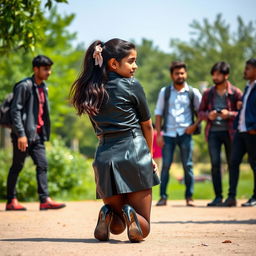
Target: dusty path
[(176, 230)]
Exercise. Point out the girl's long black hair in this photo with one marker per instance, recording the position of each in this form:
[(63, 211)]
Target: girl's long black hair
[(88, 91)]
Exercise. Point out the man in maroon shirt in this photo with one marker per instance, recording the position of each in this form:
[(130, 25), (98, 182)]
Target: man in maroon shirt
[(219, 108), (30, 128)]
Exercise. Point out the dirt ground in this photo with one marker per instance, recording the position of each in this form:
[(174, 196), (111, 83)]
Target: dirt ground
[(175, 230)]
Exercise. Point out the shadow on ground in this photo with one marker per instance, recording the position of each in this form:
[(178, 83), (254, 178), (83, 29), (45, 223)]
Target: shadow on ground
[(63, 240), (250, 221)]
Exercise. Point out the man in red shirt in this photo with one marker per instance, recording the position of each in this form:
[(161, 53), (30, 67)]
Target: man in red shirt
[(30, 128)]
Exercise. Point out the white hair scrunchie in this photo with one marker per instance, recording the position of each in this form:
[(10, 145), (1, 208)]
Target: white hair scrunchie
[(97, 55)]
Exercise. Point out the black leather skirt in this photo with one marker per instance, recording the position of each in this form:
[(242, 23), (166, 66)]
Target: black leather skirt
[(123, 164)]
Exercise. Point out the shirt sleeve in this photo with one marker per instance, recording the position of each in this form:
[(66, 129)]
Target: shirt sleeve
[(197, 98), (159, 110), (140, 102), (18, 103), (205, 106)]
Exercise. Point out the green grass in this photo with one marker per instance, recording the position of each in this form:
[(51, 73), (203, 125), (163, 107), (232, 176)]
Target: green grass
[(204, 190), (85, 190)]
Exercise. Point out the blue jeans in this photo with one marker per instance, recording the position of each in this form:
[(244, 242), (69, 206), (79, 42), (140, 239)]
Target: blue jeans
[(215, 141), (243, 143), (185, 144)]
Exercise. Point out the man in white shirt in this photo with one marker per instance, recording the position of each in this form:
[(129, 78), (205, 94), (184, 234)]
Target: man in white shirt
[(245, 136), (175, 106)]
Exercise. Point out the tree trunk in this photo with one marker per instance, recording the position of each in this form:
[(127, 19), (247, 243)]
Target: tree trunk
[(5, 140), (75, 145)]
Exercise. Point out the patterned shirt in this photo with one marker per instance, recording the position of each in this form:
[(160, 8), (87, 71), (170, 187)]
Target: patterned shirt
[(179, 111)]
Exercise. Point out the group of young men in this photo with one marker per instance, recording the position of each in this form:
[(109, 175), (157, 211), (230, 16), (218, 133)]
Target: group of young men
[(230, 121)]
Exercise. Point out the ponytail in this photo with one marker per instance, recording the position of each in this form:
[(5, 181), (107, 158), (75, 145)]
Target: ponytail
[(88, 91)]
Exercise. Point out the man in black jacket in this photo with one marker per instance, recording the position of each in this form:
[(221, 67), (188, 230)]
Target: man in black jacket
[(30, 128)]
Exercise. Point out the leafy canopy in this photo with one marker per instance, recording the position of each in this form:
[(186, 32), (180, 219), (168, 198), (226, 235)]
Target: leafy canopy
[(20, 23)]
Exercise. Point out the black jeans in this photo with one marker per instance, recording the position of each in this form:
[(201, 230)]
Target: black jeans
[(243, 143), (215, 141), (36, 150)]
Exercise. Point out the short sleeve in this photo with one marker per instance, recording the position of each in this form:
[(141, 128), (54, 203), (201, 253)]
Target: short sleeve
[(139, 100), (159, 110), (197, 98)]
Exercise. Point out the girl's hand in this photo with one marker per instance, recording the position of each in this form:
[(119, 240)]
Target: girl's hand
[(155, 167)]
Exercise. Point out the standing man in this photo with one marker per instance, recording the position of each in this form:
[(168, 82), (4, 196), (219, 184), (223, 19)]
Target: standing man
[(174, 107), (245, 136), (30, 128), (219, 109)]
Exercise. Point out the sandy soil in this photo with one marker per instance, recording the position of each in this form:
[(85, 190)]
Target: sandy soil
[(175, 230)]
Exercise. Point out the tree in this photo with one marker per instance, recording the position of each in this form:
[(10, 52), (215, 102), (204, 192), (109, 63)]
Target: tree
[(21, 22), (215, 42), (153, 72), (67, 61), (209, 43)]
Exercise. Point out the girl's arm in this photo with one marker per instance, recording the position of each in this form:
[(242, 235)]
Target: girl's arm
[(147, 130)]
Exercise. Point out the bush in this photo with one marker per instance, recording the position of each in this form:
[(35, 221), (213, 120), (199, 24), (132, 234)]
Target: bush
[(69, 175)]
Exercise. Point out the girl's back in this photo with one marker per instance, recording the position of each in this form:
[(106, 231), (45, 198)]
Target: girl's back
[(124, 107)]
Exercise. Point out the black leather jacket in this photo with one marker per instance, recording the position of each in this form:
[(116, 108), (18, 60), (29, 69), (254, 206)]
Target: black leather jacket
[(24, 110)]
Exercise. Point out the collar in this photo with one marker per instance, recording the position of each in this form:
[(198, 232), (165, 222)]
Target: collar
[(229, 88), (184, 89), (251, 84), (42, 85), (113, 75)]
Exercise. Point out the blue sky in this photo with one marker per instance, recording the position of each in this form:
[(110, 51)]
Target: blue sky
[(156, 20)]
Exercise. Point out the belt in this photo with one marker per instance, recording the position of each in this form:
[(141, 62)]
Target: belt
[(118, 135)]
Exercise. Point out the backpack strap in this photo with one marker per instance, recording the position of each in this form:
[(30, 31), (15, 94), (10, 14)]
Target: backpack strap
[(29, 84), (28, 80), (193, 110), (167, 94), (191, 96)]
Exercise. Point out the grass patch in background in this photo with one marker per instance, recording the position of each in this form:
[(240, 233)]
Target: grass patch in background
[(204, 190)]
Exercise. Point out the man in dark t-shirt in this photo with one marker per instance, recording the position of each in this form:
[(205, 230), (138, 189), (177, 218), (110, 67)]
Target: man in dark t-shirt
[(219, 108)]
